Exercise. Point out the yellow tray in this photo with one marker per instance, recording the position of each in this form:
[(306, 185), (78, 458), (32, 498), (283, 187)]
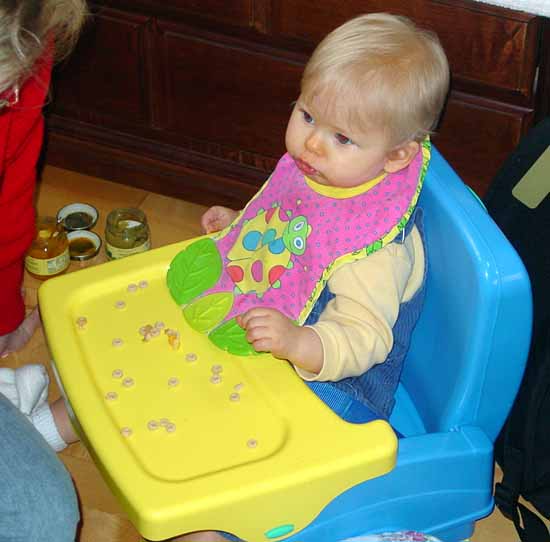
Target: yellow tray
[(251, 451)]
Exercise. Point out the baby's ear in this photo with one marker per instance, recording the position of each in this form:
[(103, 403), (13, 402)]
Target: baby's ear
[(401, 157)]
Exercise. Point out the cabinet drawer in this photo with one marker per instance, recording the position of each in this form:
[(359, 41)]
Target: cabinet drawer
[(223, 92), (484, 47), (106, 77)]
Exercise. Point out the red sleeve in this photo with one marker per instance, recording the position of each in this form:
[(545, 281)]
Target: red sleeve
[(21, 135)]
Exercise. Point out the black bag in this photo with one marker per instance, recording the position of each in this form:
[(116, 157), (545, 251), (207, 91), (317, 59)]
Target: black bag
[(523, 447)]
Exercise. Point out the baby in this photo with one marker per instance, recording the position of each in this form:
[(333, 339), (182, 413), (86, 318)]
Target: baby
[(357, 152), (341, 207)]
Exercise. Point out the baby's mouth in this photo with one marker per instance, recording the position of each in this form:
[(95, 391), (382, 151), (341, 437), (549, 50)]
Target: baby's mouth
[(305, 168)]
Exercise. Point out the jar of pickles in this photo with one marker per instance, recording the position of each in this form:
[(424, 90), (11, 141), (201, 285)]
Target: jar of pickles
[(48, 254), (126, 233)]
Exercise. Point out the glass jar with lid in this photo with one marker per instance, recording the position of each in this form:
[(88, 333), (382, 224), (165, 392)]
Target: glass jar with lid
[(48, 254), (126, 233)]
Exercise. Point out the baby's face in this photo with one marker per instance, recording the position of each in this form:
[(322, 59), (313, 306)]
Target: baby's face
[(330, 152)]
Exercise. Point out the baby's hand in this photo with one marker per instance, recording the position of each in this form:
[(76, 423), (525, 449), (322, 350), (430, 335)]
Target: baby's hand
[(268, 330), (217, 218)]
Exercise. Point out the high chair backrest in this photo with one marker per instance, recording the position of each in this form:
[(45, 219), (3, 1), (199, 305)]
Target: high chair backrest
[(468, 350)]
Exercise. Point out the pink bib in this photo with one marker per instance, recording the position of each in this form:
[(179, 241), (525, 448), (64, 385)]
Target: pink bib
[(281, 250)]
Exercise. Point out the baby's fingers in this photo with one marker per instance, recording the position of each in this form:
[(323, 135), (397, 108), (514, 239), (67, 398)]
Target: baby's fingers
[(262, 345), (251, 318), (211, 220), (256, 331), (207, 224)]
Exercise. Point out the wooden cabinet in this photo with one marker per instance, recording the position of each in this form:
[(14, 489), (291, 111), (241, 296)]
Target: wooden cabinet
[(191, 97)]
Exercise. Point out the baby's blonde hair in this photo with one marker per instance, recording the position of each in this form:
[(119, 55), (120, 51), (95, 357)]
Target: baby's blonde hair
[(381, 70), (26, 26)]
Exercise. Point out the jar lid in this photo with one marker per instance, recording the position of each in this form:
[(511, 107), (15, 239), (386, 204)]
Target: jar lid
[(77, 216), (83, 244)]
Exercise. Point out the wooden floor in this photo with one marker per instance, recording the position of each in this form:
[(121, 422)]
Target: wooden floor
[(171, 220)]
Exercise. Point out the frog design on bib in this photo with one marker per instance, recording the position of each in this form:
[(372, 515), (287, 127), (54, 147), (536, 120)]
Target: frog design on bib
[(254, 264), (264, 248)]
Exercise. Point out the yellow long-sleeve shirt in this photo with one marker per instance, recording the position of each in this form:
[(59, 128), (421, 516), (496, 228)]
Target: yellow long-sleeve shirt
[(355, 328)]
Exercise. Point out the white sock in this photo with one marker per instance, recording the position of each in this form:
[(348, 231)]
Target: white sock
[(32, 386), (27, 389), (42, 419)]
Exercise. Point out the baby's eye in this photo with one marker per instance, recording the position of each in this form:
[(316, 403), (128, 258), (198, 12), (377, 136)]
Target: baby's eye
[(307, 117), (343, 140)]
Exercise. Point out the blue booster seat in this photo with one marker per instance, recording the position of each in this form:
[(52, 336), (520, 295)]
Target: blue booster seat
[(460, 378)]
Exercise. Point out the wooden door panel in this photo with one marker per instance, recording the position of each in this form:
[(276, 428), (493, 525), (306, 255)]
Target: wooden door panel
[(476, 137), (236, 98), (106, 79)]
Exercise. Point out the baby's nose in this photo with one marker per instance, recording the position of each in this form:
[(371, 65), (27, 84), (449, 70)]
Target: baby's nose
[(314, 143)]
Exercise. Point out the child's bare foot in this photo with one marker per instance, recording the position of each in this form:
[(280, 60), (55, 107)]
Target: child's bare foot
[(17, 339)]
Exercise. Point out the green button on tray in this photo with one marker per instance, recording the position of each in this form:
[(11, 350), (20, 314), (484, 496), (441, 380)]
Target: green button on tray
[(281, 530)]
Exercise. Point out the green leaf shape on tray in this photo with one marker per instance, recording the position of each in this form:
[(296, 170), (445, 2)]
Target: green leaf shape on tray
[(231, 337), (204, 313), (194, 270)]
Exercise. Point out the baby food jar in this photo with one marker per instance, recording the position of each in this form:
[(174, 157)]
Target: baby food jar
[(78, 216), (126, 233), (48, 254)]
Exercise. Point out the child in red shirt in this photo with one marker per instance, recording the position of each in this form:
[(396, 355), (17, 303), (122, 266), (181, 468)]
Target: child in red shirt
[(38, 498), (21, 133)]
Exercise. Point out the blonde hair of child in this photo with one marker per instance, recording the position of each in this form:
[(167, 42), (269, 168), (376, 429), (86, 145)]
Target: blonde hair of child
[(381, 70), (26, 26)]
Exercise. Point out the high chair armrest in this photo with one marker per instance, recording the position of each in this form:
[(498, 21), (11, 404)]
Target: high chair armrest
[(435, 473)]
